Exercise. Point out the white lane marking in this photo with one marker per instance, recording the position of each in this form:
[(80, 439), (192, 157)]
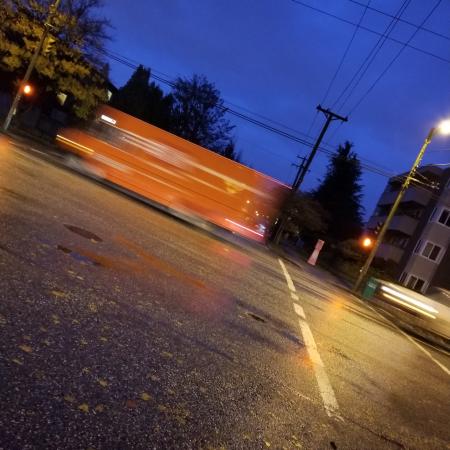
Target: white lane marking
[(287, 276), (424, 350), (326, 391), (299, 311), (325, 388), (294, 296)]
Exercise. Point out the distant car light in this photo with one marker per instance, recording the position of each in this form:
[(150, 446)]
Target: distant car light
[(409, 301)]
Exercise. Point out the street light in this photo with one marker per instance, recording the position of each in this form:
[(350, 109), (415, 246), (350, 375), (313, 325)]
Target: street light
[(367, 242), (27, 89), (442, 128)]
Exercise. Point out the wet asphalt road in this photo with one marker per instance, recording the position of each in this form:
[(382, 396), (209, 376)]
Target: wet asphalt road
[(122, 328)]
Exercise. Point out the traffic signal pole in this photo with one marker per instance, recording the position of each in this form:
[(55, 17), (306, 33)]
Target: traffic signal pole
[(304, 167), (18, 96), (404, 187)]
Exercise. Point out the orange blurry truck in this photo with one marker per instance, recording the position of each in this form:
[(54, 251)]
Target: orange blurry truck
[(175, 173)]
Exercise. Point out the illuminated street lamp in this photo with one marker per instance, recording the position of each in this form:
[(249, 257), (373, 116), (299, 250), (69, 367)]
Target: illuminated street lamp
[(27, 89), (442, 128), (367, 242)]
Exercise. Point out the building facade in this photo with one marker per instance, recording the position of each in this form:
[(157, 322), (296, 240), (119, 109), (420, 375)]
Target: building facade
[(416, 244)]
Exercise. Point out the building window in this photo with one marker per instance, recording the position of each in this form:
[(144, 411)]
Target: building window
[(402, 277), (415, 283), (444, 218), (417, 247), (431, 251)]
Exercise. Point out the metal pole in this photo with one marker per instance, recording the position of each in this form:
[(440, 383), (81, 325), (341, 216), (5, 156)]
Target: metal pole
[(18, 96), (404, 187)]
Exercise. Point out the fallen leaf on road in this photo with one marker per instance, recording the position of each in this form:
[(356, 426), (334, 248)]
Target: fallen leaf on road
[(69, 398), (153, 377), (103, 339), (17, 361), (162, 408), (145, 397), (99, 408), (58, 294), (55, 319), (167, 354), (26, 348), (84, 407), (83, 341), (131, 404), (102, 383), (85, 370), (93, 307)]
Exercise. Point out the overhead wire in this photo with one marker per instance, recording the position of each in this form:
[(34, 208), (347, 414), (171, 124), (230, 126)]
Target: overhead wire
[(341, 62), (428, 30), (369, 59), (349, 22), (400, 51), (295, 138)]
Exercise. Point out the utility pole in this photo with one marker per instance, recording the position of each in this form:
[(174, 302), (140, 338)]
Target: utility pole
[(18, 96), (330, 116), (404, 187), (304, 167)]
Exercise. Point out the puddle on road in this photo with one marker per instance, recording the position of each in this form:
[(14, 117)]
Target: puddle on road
[(77, 256), (83, 233)]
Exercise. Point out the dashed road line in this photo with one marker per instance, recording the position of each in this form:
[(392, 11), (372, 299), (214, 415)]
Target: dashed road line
[(325, 388), (287, 276)]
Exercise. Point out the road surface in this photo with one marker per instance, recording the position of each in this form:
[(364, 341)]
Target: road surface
[(124, 328)]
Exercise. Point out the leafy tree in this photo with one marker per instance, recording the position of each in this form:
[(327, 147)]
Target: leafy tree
[(72, 66), (198, 114), (144, 100), (340, 195), (306, 216)]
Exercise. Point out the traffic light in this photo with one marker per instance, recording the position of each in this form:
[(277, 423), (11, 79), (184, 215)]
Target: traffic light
[(49, 44)]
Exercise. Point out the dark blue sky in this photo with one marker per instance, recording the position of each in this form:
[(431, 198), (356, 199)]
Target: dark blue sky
[(276, 58)]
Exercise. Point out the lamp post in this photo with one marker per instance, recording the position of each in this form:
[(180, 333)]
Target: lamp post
[(24, 82), (444, 128)]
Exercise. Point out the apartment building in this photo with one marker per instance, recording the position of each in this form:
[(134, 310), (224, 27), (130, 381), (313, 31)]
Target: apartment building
[(416, 244)]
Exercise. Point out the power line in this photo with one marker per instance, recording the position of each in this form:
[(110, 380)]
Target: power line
[(394, 58), (341, 62), (345, 54), (370, 58), (349, 22), (123, 60), (428, 30)]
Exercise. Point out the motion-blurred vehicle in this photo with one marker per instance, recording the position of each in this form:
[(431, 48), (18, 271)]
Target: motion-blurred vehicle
[(426, 313), (176, 174)]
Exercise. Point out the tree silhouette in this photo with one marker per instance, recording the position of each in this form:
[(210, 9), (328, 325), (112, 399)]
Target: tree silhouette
[(340, 195), (198, 114)]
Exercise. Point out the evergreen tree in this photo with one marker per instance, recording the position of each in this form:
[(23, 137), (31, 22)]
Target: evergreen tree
[(230, 152), (143, 100), (133, 97), (71, 65), (340, 195), (198, 114)]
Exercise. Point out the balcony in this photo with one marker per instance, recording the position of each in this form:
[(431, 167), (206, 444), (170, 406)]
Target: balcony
[(413, 195), (388, 251), (401, 223)]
